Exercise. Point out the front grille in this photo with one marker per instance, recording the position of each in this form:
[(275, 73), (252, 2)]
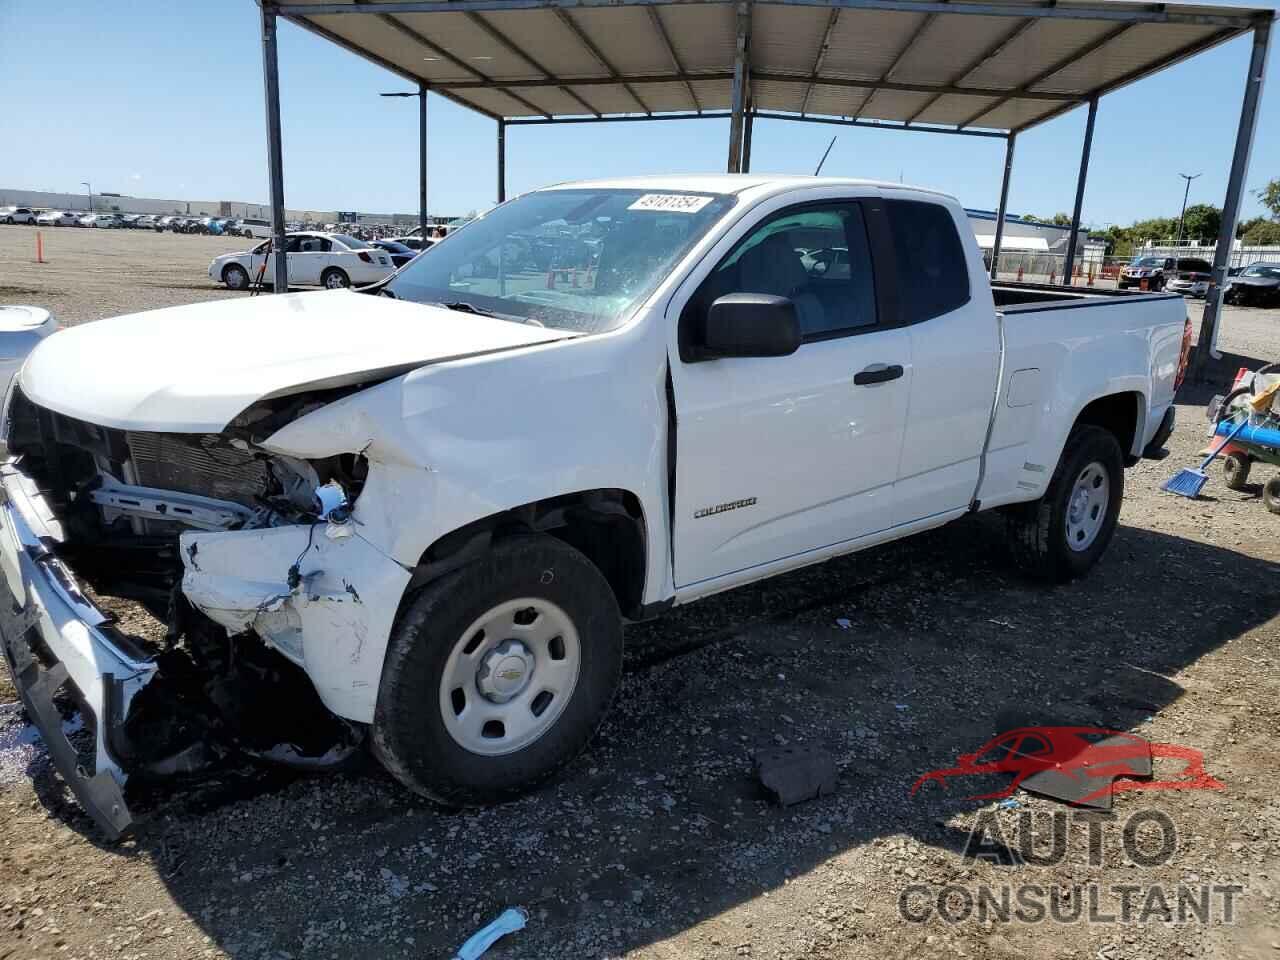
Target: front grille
[(203, 464)]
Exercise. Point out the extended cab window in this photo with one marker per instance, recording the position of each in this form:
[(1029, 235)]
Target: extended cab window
[(816, 256), (933, 274)]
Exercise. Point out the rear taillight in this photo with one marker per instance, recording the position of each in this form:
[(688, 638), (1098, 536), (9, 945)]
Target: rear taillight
[(1186, 355), (365, 257)]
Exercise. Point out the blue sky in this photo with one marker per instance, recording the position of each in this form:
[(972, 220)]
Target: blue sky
[(162, 99)]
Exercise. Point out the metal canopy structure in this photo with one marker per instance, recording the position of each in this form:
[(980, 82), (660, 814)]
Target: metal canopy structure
[(989, 68)]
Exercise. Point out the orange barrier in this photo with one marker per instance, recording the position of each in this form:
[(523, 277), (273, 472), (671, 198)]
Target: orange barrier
[(39, 247), (1019, 272), (1090, 283), (1053, 276)]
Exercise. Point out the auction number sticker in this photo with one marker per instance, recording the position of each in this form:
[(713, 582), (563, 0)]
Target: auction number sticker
[(670, 202)]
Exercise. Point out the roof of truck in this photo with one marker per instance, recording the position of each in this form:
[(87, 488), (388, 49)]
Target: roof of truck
[(731, 183)]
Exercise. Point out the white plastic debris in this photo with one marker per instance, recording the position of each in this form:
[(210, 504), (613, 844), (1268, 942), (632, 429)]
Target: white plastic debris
[(843, 623), (509, 921), (332, 497)]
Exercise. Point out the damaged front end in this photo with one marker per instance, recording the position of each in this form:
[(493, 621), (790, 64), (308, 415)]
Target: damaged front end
[(261, 590)]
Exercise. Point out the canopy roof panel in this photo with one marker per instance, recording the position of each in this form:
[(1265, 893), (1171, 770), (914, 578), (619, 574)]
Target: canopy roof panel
[(980, 65)]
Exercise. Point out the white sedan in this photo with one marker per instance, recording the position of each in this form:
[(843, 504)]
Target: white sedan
[(332, 260), (105, 221), (58, 218)]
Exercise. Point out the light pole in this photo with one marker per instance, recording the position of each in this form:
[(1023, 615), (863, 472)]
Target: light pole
[(1185, 193), (422, 153), (89, 187)]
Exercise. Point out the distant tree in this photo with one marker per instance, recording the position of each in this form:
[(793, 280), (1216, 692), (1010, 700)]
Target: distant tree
[(1157, 228), (1202, 222), (1061, 219), (1270, 197), (1262, 232), (1244, 226)]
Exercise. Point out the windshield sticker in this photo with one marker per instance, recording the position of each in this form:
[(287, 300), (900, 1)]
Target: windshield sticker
[(671, 202)]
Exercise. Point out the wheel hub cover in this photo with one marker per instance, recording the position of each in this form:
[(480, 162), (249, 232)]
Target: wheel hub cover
[(505, 671)]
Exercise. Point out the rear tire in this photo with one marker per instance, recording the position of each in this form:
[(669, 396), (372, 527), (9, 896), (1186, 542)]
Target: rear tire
[(1235, 471), (1063, 534), (430, 726), (335, 279)]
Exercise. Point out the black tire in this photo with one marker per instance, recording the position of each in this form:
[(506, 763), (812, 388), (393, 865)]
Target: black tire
[(1037, 531), (235, 277), (1271, 495), (1157, 285), (409, 735), (1235, 471), (335, 278)]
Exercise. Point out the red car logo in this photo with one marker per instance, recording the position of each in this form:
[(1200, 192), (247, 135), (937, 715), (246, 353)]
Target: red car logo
[(1083, 765)]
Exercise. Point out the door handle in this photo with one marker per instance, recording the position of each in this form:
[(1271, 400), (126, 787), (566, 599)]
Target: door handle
[(873, 375)]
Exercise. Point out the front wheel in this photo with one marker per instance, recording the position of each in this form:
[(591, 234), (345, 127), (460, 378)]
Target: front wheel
[(1271, 495), (235, 277), (1063, 534), (335, 279), (499, 673), (1235, 471)]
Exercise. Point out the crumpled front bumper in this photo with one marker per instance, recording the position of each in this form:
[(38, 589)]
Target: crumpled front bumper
[(54, 636)]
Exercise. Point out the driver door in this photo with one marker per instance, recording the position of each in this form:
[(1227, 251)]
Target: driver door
[(782, 456)]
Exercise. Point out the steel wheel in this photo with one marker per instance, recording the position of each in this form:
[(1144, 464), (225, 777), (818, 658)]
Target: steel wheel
[(1087, 506), (510, 676), (335, 280)]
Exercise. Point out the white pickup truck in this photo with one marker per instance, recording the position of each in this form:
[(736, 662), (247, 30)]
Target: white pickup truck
[(419, 515)]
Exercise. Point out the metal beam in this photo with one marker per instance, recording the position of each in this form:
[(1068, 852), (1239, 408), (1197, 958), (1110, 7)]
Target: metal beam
[(746, 142), (1002, 211), (438, 51), (508, 44), (874, 125), (655, 17), (920, 31), (983, 58), (275, 151), (820, 59), (1074, 236), (1236, 18), (1235, 191), (1057, 67), (398, 70), (633, 118), (738, 97), (595, 51), (422, 158), (502, 160), (919, 87), (1200, 46), (1048, 96)]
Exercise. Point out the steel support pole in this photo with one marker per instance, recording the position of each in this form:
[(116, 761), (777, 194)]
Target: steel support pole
[(422, 158), (1231, 206), (746, 141), (275, 153), (502, 161), (1003, 209), (738, 99), (1080, 182)]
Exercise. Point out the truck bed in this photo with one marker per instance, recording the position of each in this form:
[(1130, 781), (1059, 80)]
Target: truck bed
[(1016, 297)]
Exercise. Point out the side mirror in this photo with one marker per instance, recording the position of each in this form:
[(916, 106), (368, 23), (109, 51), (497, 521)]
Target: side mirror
[(750, 325)]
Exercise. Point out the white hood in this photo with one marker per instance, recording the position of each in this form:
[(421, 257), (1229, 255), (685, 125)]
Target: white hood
[(192, 369)]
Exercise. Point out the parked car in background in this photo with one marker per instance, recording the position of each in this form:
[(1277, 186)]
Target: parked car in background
[(413, 243), (1190, 277), (166, 223), (58, 218), (332, 260), (1257, 285), (253, 227), (104, 221), (17, 215), (1150, 269), (400, 253), (145, 222)]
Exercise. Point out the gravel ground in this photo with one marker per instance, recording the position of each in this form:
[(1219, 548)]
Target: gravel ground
[(657, 843)]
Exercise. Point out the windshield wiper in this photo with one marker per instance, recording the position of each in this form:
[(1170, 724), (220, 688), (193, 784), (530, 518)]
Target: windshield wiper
[(463, 307)]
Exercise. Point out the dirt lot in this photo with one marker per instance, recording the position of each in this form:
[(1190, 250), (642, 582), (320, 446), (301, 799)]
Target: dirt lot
[(658, 843)]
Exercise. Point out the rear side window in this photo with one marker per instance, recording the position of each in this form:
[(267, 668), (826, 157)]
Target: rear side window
[(933, 274)]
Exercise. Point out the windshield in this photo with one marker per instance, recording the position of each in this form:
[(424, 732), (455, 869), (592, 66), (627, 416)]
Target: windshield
[(570, 259), (1272, 273), (1149, 262)]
